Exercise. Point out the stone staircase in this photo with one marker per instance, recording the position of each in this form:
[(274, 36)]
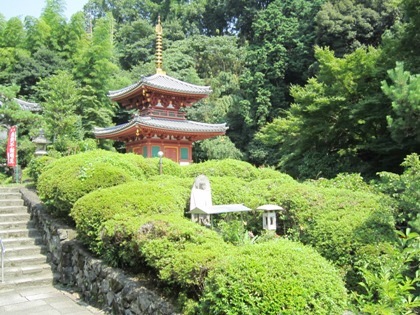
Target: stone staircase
[(25, 263)]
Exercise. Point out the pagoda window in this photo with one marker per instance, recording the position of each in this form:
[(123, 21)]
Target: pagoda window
[(155, 151), (184, 153), (145, 152)]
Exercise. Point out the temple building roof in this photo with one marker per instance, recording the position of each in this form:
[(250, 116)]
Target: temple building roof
[(166, 126), (162, 82), (33, 107)]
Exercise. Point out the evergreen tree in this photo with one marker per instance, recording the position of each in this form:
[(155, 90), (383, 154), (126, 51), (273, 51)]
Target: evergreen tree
[(404, 119)]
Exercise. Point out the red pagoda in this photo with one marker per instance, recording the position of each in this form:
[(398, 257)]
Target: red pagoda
[(159, 123)]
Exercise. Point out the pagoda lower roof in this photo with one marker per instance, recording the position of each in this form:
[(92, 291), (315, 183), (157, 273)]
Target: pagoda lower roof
[(162, 82), (164, 126)]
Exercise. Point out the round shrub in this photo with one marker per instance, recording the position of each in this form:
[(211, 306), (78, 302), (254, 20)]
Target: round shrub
[(277, 277), (130, 199), (181, 252), (335, 221), (37, 166), (220, 168), (352, 182), (169, 167), (184, 182), (228, 190), (67, 179), (269, 173)]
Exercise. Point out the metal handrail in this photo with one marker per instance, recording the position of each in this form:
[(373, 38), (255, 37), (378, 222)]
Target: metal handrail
[(3, 250)]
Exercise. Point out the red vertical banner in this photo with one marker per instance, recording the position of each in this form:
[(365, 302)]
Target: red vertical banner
[(12, 147)]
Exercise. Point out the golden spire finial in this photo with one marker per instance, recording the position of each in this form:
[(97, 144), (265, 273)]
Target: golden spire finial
[(159, 58)]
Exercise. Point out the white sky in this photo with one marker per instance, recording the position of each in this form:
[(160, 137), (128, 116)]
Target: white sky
[(22, 8)]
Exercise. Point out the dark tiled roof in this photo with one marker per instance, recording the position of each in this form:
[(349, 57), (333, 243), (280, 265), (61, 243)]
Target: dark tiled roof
[(166, 124), (164, 82), (33, 107)]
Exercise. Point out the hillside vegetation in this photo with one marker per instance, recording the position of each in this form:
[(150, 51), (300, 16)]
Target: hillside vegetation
[(141, 223)]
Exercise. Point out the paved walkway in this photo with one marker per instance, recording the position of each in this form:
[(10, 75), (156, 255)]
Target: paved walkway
[(43, 300)]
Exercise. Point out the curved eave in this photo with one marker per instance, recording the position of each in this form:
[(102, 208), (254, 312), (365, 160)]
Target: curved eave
[(161, 126), (33, 107), (161, 83)]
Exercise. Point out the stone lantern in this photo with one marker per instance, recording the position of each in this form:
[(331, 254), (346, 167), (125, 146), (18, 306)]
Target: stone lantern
[(269, 216), (41, 144)]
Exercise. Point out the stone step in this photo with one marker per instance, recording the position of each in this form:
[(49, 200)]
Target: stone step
[(10, 195), (9, 217), (13, 225), (13, 209), (11, 273), (11, 202), (27, 282), (25, 250), (31, 232), (9, 190), (37, 259), (22, 241)]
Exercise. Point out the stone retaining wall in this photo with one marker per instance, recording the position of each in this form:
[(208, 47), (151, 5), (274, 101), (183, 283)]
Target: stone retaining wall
[(97, 283)]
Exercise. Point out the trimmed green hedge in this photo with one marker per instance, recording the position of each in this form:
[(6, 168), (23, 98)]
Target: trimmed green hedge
[(179, 251), (335, 221), (222, 168), (130, 199), (140, 223), (169, 167), (352, 182), (67, 179), (278, 277), (37, 166)]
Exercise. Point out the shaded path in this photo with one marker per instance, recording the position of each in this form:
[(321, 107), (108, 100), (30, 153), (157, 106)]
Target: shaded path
[(43, 300)]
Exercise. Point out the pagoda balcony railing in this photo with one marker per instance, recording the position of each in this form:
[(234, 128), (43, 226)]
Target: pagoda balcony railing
[(163, 114)]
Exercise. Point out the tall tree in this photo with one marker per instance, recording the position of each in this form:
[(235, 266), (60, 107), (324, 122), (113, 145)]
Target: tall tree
[(13, 34), (37, 33), (404, 119), (54, 18), (279, 54), (338, 121), (344, 25), (60, 97), (93, 63), (135, 43), (27, 122)]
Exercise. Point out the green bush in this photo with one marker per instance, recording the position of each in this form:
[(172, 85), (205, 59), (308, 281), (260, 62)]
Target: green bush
[(67, 179), (179, 251), (352, 182), (278, 277), (269, 173), (390, 276), (169, 167), (336, 222), (222, 168), (405, 190), (228, 190), (130, 199), (37, 166)]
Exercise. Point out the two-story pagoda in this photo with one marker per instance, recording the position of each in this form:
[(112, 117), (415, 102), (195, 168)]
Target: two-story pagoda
[(160, 123)]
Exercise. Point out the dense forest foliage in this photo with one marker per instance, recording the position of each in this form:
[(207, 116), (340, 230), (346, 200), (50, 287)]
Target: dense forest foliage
[(313, 88)]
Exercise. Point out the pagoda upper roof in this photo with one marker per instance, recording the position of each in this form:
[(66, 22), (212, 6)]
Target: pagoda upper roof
[(184, 127), (161, 82)]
